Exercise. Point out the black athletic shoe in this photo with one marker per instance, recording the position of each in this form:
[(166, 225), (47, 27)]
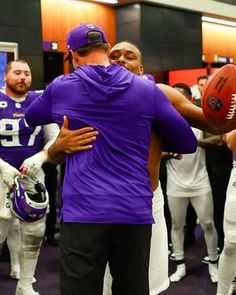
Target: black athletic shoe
[(205, 260)]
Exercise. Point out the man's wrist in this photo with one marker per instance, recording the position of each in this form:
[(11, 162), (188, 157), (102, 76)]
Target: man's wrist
[(55, 154), (55, 148)]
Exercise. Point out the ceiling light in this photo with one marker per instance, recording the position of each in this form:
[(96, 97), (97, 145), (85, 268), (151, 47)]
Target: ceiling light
[(218, 21), (107, 1)]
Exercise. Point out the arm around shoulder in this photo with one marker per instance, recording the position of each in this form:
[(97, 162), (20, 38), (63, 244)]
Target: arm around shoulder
[(192, 113), (176, 134)]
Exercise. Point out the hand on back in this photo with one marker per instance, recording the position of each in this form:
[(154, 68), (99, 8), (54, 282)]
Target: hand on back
[(71, 141)]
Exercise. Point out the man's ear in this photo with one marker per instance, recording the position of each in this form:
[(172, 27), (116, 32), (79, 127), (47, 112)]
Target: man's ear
[(141, 70), (75, 57), (72, 53), (108, 49)]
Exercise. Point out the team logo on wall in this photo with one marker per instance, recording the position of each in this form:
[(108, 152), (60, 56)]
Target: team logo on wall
[(214, 103), (3, 104)]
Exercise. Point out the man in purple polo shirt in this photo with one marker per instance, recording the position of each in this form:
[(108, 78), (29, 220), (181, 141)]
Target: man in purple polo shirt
[(107, 196)]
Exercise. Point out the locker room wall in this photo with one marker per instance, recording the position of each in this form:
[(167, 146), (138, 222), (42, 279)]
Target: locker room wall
[(59, 17), (20, 22), (168, 38)]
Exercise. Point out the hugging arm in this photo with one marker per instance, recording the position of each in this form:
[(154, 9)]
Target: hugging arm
[(176, 134), (70, 141), (193, 114)]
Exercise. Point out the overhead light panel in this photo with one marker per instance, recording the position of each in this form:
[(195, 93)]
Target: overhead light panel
[(218, 21), (107, 1)]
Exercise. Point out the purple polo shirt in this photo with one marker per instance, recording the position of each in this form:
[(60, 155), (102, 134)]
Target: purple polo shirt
[(110, 183)]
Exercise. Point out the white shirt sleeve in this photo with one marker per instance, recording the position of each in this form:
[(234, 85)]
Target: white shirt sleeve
[(51, 132)]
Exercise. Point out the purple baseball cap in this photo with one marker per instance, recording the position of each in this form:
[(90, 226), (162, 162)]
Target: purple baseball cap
[(82, 35)]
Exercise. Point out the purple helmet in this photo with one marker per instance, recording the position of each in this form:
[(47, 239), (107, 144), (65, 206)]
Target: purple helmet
[(29, 199)]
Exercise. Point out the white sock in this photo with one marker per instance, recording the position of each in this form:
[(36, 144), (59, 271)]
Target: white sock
[(15, 270), (179, 274), (27, 268), (213, 272)]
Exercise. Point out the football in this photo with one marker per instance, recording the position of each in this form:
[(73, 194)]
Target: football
[(219, 96)]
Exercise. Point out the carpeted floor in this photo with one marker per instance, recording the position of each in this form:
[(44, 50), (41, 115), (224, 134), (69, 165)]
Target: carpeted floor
[(46, 274), (196, 282)]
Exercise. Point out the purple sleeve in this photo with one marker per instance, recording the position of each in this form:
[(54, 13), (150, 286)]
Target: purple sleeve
[(176, 134), (39, 112)]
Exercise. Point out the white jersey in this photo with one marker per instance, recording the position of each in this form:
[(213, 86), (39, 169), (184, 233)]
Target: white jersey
[(188, 177)]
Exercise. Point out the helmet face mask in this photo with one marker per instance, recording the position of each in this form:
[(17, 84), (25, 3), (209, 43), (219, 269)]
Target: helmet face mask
[(29, 199)]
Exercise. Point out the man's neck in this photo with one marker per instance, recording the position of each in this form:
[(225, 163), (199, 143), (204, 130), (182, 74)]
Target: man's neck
[(15, 96), (96, 57)]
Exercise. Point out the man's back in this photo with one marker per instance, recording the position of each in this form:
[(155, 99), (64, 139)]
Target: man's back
[(110, 183)]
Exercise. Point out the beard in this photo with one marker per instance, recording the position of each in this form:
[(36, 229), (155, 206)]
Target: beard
[(20, 88)]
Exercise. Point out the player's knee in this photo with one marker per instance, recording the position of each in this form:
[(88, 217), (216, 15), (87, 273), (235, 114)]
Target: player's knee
[(32, 244), (229, 248), (35, 229), (33, 235), (177, 226), (207, 225)]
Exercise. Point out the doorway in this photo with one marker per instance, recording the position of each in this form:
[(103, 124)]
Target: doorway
[(53, 65), (8, 52)]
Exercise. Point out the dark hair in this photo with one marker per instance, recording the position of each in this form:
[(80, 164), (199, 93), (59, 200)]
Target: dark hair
[(203, 77), (185, 87), (96, 39), (83, 51), (8, 66)]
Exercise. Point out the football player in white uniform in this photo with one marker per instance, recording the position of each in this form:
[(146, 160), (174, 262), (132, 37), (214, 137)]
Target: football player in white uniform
[(23, 150), (227, 263)]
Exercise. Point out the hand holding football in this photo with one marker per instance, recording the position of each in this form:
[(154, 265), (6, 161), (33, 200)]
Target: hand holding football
[(219, 96)]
